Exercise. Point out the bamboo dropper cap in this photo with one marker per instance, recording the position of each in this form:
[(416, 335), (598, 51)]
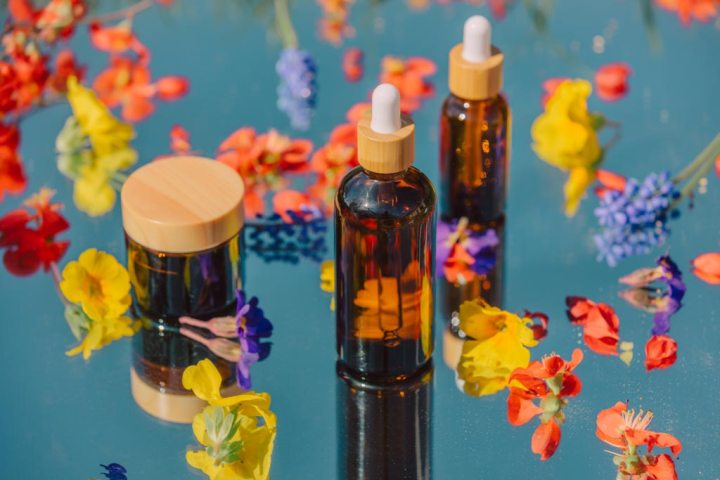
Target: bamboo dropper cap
[(386, 139), (183, 204), (476, 66)]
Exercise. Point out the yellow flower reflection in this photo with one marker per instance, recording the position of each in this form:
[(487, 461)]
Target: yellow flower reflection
[(238, 432), (327, 280), (103, 332), (565, 136), (95, 171), (498, 343)]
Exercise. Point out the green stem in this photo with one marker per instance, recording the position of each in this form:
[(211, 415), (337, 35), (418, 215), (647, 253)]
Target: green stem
[(127, 12), (707, 155), (284, 24)]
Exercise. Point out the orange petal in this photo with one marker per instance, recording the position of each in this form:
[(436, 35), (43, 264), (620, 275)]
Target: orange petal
[(654, 439), (611, 81), (546, 439), (707, 267), (137, 108), (611, 180), (521, 410), (660, 352), (420, 66), (663, 468), (172, 88), (610, 425)]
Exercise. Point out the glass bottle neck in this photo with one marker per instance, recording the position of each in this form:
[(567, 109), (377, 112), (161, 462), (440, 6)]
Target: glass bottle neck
[(385, 177)]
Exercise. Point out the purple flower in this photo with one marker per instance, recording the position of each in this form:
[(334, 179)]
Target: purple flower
[(252, 327), (633, 221), (482, 247), (297, 93)]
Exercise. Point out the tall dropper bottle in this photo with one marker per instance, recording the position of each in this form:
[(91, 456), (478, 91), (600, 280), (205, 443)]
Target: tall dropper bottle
[(475, 130), (384, 234)]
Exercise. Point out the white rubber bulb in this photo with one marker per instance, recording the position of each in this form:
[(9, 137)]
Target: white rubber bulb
[(476, 39), (385, 109)]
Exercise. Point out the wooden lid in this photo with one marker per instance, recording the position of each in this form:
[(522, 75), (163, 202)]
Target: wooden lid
[(386, 152), (475, 81), (182, 204), (171, 407)]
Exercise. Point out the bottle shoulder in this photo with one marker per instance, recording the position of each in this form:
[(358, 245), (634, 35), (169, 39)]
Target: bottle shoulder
[(457, 108), (402, 198)]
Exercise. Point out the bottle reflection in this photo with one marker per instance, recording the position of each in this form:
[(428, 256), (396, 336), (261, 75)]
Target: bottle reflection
[(384, 431), (483, 279)]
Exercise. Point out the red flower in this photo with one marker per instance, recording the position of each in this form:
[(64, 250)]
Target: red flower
[(627, 430), (31, 75), (600, 324), (660, 352), (717, 166), (352, 64), (707, 267), (701, 10), (56, 20), (29, 237), (12, 174), (611, 81), (552, 381), (180, 140), (409, 77), (127, 82)]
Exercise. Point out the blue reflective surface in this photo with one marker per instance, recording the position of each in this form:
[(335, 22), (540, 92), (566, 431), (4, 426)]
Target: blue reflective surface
[(63, 417)]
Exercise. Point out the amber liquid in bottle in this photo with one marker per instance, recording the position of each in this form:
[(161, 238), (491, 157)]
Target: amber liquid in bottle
[(169, 285), (384, 432), (474, 152), (384, 234)]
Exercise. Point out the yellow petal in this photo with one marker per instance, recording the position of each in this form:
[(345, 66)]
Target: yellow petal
[(204, 380), (577, 183)]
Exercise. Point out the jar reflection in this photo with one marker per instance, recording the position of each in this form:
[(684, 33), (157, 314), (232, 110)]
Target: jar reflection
[(384, 431)]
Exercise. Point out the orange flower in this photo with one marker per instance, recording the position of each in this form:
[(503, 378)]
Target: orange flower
[(609, 181), (707, 267), (333, 27), (701, 10), (339, 154), (12, 174), (115, 39), (409, 77), (261, 160), (352, 64), (600, 324), (552, 381), (291, 204), (127, 82), (31, 73), (180, 140), (627, 430), (660, 352), (611, 81), (457, 266)]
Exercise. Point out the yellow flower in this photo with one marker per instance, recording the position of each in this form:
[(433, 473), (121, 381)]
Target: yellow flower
[(102, 332), (578, 181), (111, 152), (99, 284), (498, 344), (249, 460), (327, 280), (564, 135)]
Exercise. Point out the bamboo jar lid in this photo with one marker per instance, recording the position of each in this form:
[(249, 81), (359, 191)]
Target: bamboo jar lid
[(182, 204), (475, 81), (386, 152)]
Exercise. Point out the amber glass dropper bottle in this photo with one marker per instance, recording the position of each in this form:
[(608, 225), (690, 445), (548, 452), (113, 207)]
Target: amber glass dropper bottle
[(475, 131), (384, 234)]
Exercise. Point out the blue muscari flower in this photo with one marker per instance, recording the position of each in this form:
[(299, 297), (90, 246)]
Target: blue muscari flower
[(297, 93), (114, 471), (634, 220)]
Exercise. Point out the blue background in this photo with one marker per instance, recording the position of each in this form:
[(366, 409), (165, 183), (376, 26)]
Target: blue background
[(62, 416)]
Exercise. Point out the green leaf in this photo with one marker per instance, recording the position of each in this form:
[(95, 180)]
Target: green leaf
[(77, 320)]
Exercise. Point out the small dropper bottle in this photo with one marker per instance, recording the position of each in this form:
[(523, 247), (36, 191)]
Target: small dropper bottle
[(384, 234), (475, 131)]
